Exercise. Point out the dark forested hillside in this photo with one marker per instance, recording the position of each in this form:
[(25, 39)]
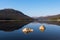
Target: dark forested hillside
[(11, 14)]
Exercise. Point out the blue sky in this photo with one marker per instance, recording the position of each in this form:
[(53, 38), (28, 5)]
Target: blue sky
[(33, 8)]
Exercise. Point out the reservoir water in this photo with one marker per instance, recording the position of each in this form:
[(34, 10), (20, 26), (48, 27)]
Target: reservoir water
[(51, 32)]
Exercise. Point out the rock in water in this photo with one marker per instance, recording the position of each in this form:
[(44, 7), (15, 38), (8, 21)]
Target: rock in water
[(42, 28), (27, 30)]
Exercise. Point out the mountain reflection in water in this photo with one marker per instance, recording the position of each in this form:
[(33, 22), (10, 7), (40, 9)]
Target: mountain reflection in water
[(12, 25), (50, 22)]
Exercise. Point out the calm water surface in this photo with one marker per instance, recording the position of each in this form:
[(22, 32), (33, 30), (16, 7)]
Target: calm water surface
[(52, 32)]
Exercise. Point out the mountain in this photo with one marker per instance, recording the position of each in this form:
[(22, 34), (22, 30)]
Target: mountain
[(49, 18), (11, 14)]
